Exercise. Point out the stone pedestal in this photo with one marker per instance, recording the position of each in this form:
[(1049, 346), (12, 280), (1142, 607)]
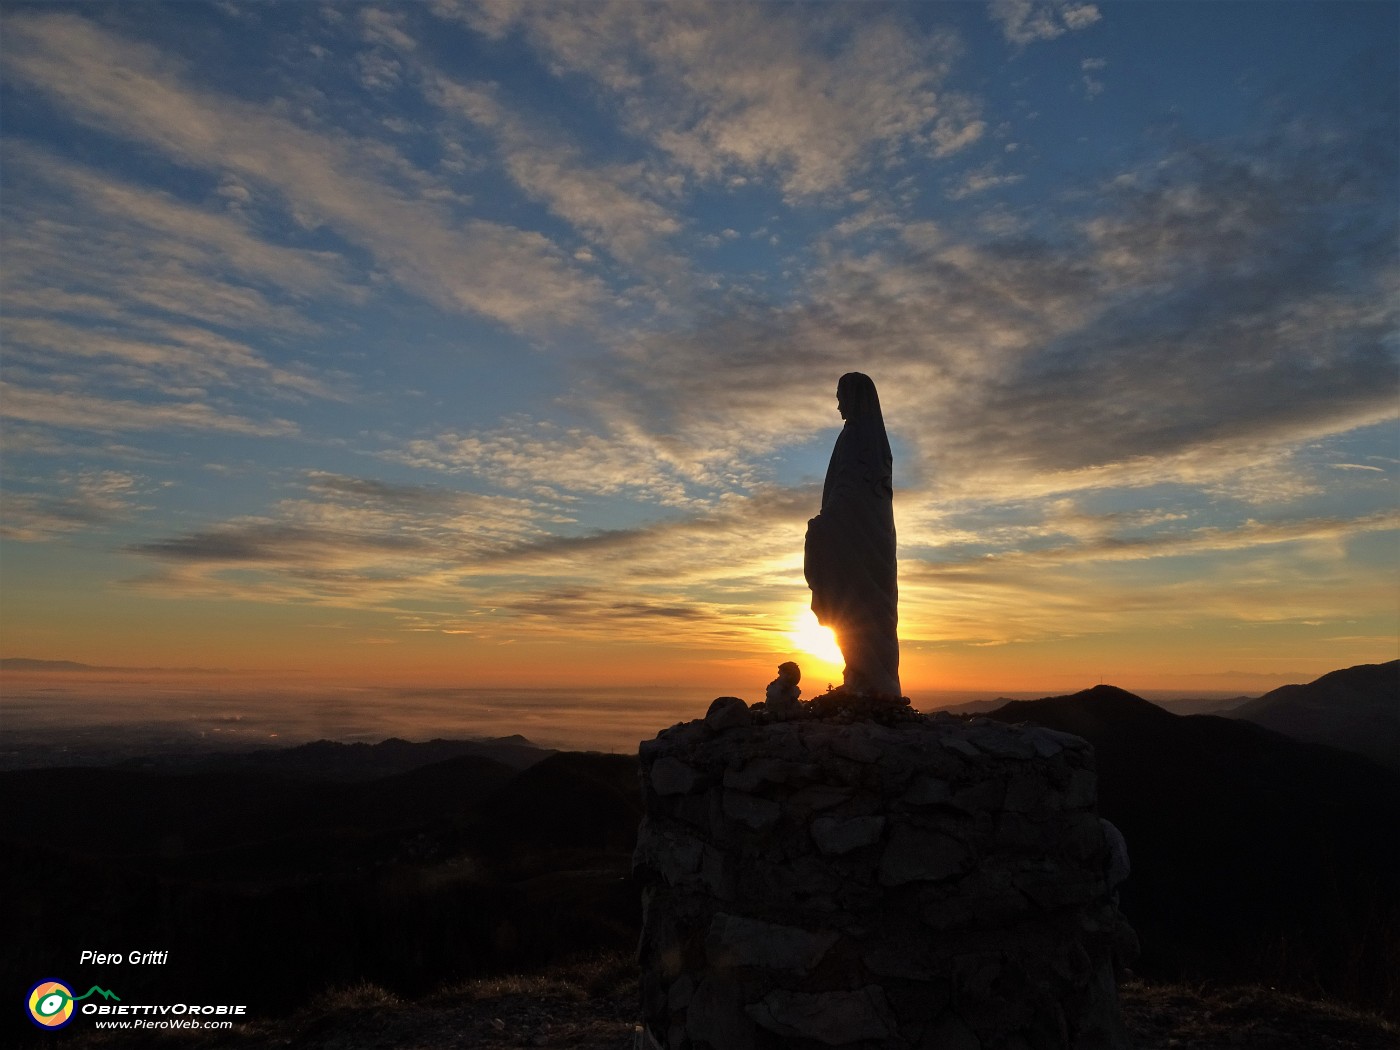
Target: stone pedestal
[(928, 883)]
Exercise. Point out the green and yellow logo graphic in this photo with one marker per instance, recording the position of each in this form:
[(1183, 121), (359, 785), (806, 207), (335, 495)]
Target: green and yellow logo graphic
[(51, 1002)]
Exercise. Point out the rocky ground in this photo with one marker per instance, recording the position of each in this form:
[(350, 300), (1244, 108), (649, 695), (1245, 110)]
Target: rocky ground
[(592, 1005)]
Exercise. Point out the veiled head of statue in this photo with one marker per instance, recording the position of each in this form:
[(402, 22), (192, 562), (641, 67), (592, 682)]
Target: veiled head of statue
[(856, 397)]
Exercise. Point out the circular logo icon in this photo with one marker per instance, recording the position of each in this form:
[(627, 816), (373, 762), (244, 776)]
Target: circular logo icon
[(51, 1004)]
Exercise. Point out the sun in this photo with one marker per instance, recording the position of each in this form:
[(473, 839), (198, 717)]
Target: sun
[(815, 640)]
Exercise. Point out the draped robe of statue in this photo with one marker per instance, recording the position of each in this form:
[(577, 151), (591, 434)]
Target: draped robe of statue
[(850, 549)]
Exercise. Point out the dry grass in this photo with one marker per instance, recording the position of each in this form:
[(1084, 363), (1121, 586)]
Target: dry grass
[(353, 997), (1254, 1017), (576, 980), (591, 1004)]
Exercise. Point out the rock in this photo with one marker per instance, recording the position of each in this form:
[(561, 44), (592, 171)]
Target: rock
[(1059, 889), (928, 791), (738, 941), (897, 957), (950, 1032), (1029, 793), (834, 1018), (1002, 740), (946, 913), (678, 998), (1083, 789), (1050, 742), (716, 1019), (716, 874), (677, 737), (727, 712), (964, 747), (782, 697), (914, 854), (671, 776), (982, 796), (857, 746), (818, 797), (835, 835), (750, 810), (759, 771), (671, 853)]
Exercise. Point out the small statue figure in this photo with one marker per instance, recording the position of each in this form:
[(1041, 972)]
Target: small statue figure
[(850, 549), (782, 696)]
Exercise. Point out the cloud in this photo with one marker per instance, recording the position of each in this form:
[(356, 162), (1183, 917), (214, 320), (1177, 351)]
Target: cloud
[(368, 194), (380, 26), (425, 554), (114, 290), (600, 201), (173, 359), (441, 560), (76, 411), (1253, 573), (546, 458), (1217, 309), (1101, 543), (979, 181), (808, 97), (1026, 21), (1197, 330), (1187, 329), (196, 238), (349, 542), (85, 500), (79, 244)]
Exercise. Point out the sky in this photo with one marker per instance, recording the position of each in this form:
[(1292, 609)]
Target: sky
[(496, 344)]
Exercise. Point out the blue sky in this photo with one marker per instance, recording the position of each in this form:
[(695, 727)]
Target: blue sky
[(499, 341)]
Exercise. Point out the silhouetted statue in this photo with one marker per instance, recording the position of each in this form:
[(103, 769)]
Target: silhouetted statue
[(782, 696), (850, 554)]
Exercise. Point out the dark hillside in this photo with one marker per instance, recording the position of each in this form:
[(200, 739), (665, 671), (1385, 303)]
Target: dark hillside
[(572, 800), (271, 888), (1356, 708), (1252, 853), (331, 760), (231, 824)]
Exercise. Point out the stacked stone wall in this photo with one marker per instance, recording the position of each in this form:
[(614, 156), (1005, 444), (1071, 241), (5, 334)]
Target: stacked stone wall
[(928, 883)]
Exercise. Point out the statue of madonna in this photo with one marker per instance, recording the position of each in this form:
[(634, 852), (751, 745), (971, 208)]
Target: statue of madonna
[(850, 549)]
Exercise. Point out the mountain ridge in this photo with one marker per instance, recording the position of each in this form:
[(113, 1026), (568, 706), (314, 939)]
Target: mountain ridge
[(1356, 708), (1246, 844)]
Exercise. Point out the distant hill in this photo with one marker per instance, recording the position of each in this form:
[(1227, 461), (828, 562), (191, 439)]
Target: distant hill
[(24, 663), (20, 663), (1203, 705), (330, 760), (1251, 851), (1185, 706), (1357, 708), (975, 707)]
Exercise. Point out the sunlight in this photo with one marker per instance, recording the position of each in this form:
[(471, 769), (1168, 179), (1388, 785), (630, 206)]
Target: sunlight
[(815, 640)]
